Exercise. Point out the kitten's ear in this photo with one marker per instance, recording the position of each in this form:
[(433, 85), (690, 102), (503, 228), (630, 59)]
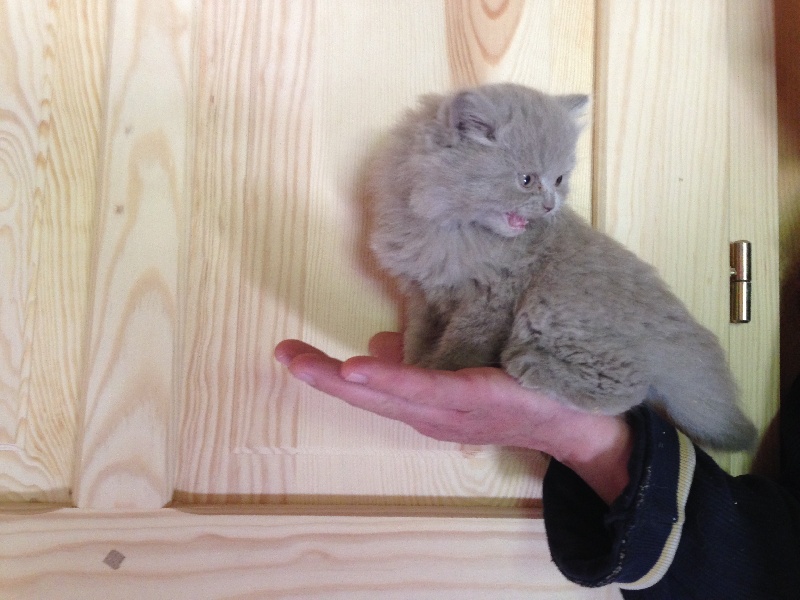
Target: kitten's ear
[(472, 116), (576, 104)]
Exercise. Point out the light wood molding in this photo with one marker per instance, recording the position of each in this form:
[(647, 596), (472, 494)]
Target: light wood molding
[(176, 555)]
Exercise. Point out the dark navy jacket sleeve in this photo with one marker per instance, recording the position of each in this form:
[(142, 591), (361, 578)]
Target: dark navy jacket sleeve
[(683, 528)]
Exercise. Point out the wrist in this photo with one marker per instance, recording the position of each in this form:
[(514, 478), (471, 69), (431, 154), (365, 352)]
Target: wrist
[(597, 448)]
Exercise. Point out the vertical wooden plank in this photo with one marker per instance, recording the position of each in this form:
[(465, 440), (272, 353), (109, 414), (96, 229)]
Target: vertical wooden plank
[(754, 347), (345, 296), (277, 198), (24, 138), (52, 63), (662, 144), (125, 457), (225, 224), (686, 162), (249, 211)]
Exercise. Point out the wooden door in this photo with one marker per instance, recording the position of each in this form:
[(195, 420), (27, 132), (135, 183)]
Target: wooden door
[(180, 188)]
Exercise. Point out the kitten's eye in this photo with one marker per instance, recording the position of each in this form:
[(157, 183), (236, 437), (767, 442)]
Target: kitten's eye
[(527, 180), (559, 180)]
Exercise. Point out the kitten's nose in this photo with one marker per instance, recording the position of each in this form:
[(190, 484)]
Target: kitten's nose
[(549, 203)]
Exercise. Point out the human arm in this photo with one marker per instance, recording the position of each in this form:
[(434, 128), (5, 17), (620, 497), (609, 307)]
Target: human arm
[(471, 406), (627, 500), (682, 528)]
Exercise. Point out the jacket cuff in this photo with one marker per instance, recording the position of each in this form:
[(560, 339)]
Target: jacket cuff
[(633, 541)]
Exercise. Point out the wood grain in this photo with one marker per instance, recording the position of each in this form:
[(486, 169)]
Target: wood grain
[(24, 110), (125, 457), (169, 554), (219, 109), (51, 71), (662, 154), (249, 217), (753, 172), (687, 139), (277, 245)]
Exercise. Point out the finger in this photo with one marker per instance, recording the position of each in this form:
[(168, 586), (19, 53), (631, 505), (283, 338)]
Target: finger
[(456, 390), (323, 373), (387, 345), (287, 350)]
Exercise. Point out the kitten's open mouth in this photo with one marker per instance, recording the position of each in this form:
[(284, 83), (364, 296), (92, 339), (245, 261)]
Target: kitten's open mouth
[(516, 221)]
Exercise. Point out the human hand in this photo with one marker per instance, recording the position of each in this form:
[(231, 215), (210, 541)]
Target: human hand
[(471, 406)]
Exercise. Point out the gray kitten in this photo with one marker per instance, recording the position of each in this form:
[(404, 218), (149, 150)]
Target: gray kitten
[(468, 197)]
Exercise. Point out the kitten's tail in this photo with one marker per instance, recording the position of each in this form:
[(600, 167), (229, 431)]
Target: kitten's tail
[(699, 396)]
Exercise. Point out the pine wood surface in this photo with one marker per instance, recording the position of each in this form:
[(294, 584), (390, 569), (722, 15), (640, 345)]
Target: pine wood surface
[(52, 72), (124, 452), (180, 188), (221, 214), (753, 175), (215, 151), (176, 555), (295, 263), (686, 151)]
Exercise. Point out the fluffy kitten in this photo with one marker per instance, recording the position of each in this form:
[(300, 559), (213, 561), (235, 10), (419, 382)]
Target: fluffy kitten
[(468, 198)]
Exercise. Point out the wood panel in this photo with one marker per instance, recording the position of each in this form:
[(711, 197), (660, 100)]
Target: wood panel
[(686, 139), (222, 229), (23, 113), (52, 65), (212, 218), (125, 459), (662, 150), (71, 554), (289, 101), (753, 184)]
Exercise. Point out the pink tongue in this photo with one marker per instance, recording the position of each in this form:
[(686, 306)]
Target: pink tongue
[(516, 221)]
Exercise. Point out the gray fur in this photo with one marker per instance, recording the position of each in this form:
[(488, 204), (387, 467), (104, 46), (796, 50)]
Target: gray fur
[(499, 272)]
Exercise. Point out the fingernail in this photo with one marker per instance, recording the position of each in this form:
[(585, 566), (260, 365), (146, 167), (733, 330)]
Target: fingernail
[(356, 378)]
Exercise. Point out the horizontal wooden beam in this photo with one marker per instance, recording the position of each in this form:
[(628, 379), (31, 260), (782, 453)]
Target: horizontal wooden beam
[(48, 552)]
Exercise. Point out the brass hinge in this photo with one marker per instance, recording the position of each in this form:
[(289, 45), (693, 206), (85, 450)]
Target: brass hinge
[(740, 282)]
